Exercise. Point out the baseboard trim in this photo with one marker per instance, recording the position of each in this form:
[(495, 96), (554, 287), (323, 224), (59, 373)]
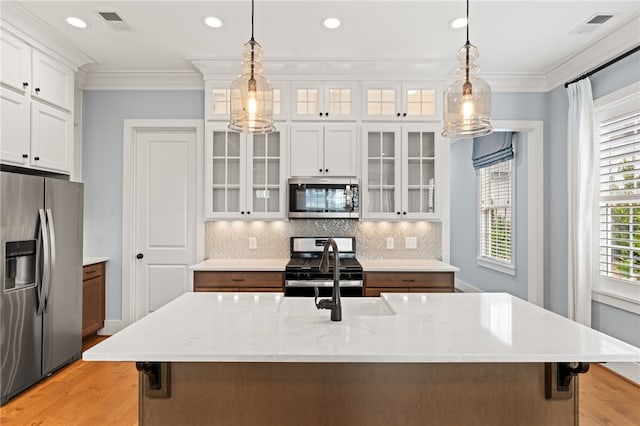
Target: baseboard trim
[(111, 327), (465, 287), (628, 370)]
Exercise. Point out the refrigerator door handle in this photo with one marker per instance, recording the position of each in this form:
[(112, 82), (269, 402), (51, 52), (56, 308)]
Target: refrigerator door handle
[(52, 257), (44, 280)]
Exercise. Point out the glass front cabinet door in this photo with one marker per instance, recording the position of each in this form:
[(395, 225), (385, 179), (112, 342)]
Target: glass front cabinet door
[(218, 101), (401, 173), (405, 102), (244, 175), (325, 101)]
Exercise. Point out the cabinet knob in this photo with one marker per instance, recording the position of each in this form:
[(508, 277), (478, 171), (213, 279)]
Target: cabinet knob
[(242, 212), (326, 170), (320, 114), (139, 256), (248, 212), (404, 213), (25, 156), (36, 158), (398, 114), (326, 114), (397, 213), (404, 114), (25, 85), (37, 90), (320, 170)]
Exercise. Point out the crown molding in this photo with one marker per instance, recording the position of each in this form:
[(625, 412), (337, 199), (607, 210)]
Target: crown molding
[(22, 24), (626, 37), (144, 80)]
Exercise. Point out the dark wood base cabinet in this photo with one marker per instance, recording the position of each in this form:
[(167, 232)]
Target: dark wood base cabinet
[(238, 281), (93, 287), (407, 282), (388, 394)]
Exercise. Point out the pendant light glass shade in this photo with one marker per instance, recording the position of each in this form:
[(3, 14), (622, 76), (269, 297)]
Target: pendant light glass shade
[(251, 93), (467, 102)]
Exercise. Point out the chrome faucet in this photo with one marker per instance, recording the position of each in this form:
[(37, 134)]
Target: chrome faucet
[(333, 303)]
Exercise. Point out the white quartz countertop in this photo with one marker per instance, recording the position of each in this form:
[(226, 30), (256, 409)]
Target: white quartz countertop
[(406, 265), (92, 260), (426, 328), (369, 265), (241, 265)]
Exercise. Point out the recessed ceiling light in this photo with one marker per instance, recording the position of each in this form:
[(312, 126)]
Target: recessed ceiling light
[(213, 22), (331, 23), (76, 22), (458, 23)]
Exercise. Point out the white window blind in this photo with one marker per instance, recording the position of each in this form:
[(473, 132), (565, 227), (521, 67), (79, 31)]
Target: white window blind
[(496, 212), (619, 201)]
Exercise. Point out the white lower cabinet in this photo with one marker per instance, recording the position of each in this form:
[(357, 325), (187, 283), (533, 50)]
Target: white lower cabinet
[(324, 150), (245, 175), (402, 172)]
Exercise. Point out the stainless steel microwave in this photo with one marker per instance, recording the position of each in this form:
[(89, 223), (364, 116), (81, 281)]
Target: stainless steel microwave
[(324, 198)]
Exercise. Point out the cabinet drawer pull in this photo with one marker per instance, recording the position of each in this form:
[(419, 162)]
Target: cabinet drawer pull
[(25, 85), (36, 158), (237, 279), (37, 90), (408, 281), (25, 156)]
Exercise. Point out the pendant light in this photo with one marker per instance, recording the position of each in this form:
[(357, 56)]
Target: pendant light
[(467, 102), (251, 93)]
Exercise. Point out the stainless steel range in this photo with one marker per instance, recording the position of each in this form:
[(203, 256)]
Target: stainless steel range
[(302, 273)]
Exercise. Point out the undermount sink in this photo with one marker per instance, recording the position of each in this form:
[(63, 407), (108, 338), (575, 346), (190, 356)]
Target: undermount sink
[(353, 306)]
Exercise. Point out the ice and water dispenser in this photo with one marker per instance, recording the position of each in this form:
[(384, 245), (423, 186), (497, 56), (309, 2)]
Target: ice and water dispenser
[(20, 264)]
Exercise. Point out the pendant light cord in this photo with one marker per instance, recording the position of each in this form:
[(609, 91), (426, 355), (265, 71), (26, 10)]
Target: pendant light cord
[(467, 46), (252, 81), (252, 20)]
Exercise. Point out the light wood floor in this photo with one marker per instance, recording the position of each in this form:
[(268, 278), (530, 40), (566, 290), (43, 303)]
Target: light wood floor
[(105, 394)]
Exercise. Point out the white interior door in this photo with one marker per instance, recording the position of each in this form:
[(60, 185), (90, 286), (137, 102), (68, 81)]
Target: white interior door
[(164, 216)]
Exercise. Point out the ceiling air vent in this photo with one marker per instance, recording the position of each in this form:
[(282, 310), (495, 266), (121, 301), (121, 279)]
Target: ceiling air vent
[(115, 21), (111, 16), (592, 23)]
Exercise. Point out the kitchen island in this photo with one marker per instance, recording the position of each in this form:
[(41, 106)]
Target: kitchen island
[(401, 359)]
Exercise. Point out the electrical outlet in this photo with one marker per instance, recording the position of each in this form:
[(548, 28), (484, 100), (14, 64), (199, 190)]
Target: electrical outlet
[(253, 243), (390, 243), (411, 243)]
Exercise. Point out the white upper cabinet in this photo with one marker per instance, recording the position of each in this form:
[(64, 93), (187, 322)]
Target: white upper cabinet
[(407, 101), (245, 176), (323, 150), (53, 82), (14, 131), (36, 108), (15, 71), (331, 101), (218, 101), (404, 172)]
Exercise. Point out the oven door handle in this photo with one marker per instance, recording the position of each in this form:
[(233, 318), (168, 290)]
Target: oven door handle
[(321, 283)]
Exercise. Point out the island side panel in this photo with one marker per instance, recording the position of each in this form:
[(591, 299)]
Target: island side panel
[(319, 394)]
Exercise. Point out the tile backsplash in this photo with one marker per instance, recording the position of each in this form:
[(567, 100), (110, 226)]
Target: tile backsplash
[(230, 239)]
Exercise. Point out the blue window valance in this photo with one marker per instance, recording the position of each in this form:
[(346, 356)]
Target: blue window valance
[(492, 149)]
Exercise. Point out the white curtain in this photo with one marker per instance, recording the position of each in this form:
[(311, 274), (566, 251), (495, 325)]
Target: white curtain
[(582, 184)]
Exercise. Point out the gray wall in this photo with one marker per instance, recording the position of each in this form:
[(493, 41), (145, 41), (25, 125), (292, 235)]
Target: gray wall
[(103, 114), (464, 222), (552, 108)]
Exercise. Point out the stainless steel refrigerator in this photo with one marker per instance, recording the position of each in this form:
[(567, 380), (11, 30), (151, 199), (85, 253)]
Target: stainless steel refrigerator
[(41, 273)]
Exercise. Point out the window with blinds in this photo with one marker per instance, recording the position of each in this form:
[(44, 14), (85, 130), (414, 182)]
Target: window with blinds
[(496, 188), (619, 200)]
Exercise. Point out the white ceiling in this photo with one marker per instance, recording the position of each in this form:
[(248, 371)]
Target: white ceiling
[(514, 37)]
